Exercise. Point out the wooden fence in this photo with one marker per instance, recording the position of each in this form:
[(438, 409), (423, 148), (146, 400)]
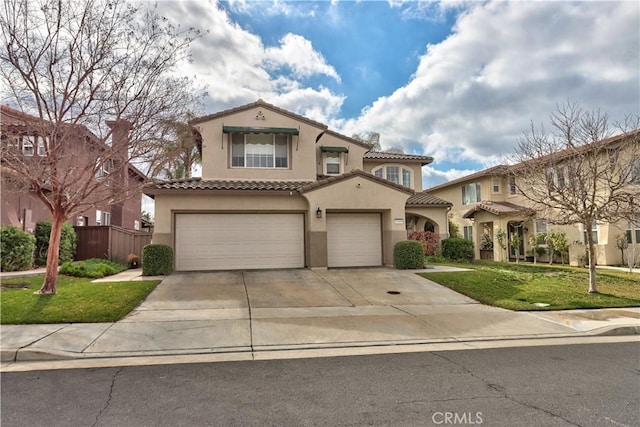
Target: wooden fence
[(109, 242)]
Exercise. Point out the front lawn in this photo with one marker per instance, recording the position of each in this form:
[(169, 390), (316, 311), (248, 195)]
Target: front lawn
[(77, 301), (520, 286)]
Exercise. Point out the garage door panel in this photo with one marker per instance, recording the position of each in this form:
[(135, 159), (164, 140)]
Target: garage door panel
[(239, 241), (354, 240)]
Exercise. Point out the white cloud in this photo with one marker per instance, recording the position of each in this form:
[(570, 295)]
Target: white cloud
[(505, 64), (238, 68), (297, 53), (433, 176)]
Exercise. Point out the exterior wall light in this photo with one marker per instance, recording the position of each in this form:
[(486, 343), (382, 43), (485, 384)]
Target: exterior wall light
[(318, 212)]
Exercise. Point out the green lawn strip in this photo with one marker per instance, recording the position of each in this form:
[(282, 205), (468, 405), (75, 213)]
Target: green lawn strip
[(77, 300), (519, 286)]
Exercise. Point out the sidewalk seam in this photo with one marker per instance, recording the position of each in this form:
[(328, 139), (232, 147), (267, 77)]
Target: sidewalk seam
[(246, 292)]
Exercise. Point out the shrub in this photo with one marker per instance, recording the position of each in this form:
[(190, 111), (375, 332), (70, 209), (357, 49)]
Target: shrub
[(16, 249), (427, 239), (408, 254), (157, 260), (94, 268), (457, 249), (454, 229), (68, 241)]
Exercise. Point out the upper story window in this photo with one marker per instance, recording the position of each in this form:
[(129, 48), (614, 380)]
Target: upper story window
[(332, 163), (43, 146), (594, 234), (633, 231), (396, 174), (471, 193), (513, 189), (635, 172), (495, 185), (258, 150), (28, 145), (541, 226)]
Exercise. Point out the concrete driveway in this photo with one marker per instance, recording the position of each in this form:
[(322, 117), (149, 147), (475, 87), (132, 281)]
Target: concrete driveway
[(285, 309)]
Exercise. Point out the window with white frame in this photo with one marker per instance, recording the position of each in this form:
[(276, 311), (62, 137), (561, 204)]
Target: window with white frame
[(395, 174), (28, 144), (513, 189), (633, 231), (43, 146), (468, 232), (594, 233), (98, 217), (541, 226), (495, 185), (136, 224), (106, 218), (560, 182), (258, 150), (332, 163), (471, 193), (635, 172)]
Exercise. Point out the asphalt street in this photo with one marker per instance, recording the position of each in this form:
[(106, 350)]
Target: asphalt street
[(569, 385)]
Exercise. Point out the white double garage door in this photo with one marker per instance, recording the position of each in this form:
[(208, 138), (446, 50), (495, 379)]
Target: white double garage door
[(232, 241)]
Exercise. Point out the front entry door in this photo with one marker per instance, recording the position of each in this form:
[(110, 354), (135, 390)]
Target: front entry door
[(515, 229)]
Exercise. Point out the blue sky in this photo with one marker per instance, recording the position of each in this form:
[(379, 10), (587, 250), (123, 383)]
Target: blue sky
[(459, 81)]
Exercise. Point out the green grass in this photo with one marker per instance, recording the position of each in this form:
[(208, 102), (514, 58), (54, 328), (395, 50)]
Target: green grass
[(77, 300), (519, 286)]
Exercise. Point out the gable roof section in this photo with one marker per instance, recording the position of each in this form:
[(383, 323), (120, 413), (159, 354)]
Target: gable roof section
[(373, 155), (346, 138), (498, 208), (493, 171), (356, 172), (425, 199), (258, 104)]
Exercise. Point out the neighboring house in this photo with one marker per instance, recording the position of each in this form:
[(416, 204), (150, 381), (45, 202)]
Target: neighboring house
[(489, 200), (279, 190), (21, 208)]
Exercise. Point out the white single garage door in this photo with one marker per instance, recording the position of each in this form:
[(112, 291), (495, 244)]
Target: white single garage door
[(354, 240), (238, 241)]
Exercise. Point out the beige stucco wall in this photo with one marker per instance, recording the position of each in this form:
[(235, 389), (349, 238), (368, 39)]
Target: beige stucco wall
[(356, 194), (216, 155), (416, 169), (348, 161)]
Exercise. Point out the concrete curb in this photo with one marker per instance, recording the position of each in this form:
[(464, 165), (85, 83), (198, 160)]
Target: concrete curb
[(44, 355)]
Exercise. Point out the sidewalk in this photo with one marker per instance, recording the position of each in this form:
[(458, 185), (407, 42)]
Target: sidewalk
[(193, 323)]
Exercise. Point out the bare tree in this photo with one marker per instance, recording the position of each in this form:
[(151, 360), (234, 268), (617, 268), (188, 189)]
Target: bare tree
[(180, 152), (372, 139), (578, 173), (100, 71)]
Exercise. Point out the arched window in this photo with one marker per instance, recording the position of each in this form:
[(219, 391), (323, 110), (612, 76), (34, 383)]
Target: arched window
[(396, 174), (428, 226)]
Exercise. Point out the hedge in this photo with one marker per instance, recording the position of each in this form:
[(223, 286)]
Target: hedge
[(16, 249), (68, 242), (457, 249), (408, 254), (157, 260)]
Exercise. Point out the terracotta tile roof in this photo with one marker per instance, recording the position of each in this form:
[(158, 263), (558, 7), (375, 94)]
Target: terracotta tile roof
[(238, 185), (426, 199), (356, 172), (372, 155), (200, 184), (258, 104), (498, 208)]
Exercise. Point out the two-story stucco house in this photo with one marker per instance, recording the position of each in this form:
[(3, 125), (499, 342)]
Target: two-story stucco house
[(25, 135), (491, 200), (279, 190)]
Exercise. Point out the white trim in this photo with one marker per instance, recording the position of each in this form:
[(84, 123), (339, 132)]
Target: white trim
[(401, 169)]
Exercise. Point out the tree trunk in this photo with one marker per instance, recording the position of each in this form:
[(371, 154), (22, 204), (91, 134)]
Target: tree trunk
[(53, 253), (593, 289)]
